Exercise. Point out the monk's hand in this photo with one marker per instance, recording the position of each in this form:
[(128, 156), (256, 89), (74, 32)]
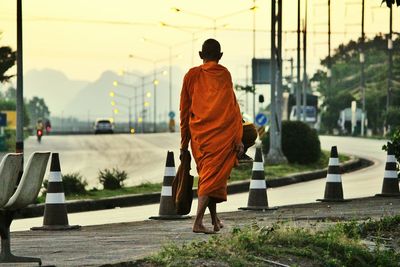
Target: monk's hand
[(239, 148)]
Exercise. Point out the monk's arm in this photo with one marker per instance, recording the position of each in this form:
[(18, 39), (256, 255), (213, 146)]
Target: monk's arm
[(185, 104)]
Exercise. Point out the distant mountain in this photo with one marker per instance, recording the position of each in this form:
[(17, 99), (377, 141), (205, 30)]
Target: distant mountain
[(52, 85), (94, 101)]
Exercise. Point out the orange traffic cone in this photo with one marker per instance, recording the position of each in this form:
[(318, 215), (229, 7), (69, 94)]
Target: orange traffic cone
[(390, 185), (333, 187), (55, 211), (258, 187), (167, 206)]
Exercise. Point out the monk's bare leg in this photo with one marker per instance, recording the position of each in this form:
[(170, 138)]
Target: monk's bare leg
[(212, 206), (198, 226)]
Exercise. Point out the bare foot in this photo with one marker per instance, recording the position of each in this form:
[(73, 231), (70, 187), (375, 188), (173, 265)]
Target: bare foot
[(202, 229), (218, 226)]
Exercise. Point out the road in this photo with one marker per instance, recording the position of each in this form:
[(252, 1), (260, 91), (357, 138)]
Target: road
[(144, 158)]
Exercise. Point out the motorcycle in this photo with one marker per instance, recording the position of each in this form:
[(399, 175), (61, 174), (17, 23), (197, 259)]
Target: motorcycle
[(39, 134)]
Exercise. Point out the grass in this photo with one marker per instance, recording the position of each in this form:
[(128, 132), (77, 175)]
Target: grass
[(256, 245), (99, 194), (243, 172), (240, 173)]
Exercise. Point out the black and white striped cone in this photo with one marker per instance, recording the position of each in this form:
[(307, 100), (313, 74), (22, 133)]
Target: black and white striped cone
[(167, 209), (55, 211), (333, 187), (390, 185), (258, 199)]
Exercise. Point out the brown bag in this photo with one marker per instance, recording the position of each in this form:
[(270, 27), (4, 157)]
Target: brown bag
[(182, 186)]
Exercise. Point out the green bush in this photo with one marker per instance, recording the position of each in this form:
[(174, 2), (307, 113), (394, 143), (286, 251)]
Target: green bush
[(300, 143), (395, 143), (112, 179), (73, 184), (393, 118)]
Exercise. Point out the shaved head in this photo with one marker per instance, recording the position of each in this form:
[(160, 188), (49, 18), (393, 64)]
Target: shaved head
[(211, 50)]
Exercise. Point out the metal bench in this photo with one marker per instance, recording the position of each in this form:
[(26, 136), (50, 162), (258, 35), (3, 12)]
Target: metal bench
[(25, 194)]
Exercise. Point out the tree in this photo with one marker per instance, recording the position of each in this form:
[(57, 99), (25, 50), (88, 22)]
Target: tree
[(7, 60), (37, 109), (389, 3), (11, 94), (9, 104), (345, 82)]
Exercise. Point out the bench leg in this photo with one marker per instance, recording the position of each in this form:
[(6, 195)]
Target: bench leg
[(6, 256)]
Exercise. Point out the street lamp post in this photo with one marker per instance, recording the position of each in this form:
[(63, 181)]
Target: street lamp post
[(155, 83), (135, 97), (116, 83), (129, 98), (20, 97), (213, 19), (169, 47), (362, 60), (142, 78), (192, 33)]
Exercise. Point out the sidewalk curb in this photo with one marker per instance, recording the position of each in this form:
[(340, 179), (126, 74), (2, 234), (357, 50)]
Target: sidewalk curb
[(153, 198)]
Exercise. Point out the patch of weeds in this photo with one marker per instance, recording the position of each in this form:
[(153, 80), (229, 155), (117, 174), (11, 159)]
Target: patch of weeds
[(388, 224), (112, 179), (255, 246), (73, 184)]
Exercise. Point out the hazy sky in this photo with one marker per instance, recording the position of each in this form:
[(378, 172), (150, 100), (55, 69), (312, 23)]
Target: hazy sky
[(84, 38)]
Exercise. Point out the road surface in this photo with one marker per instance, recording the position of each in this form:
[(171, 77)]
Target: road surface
[(150, 152)]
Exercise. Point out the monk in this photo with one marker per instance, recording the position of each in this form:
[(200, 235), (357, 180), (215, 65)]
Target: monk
[(211, 121)]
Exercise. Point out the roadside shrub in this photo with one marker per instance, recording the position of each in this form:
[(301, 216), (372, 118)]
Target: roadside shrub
[(112, 179), (395, 143), (73, 183), (300, 143)]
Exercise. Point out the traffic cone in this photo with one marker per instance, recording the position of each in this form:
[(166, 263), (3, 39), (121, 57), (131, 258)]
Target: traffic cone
[(333, 187), (167, 206), (258, 187), (55, 210), (390, 185)]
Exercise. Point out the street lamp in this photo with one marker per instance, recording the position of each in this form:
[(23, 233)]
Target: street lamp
[(155, 82), (213, 19), (112, 94), (169, 47), (193, 33), (116, 111), (129, 106)]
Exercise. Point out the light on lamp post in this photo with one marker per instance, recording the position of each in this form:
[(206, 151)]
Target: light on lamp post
[(390, 44), (362, 57), (155, 83), (329, 73)]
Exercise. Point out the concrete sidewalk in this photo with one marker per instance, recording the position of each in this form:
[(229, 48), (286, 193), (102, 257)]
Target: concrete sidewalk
[(127, 242)]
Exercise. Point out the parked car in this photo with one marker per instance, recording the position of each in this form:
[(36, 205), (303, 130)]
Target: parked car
[(103, 126)]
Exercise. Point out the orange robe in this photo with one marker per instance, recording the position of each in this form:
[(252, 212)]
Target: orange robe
[(211, 121)]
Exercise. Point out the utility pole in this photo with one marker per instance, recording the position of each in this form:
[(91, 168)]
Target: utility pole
[(390, 55), (362, 60), (329, 72), (143, 105), (254, 56), (275, 155), (298, 88), (247, 93), (291, 75), (19, 146), (155, 99), (279, 74), (305, 66)]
